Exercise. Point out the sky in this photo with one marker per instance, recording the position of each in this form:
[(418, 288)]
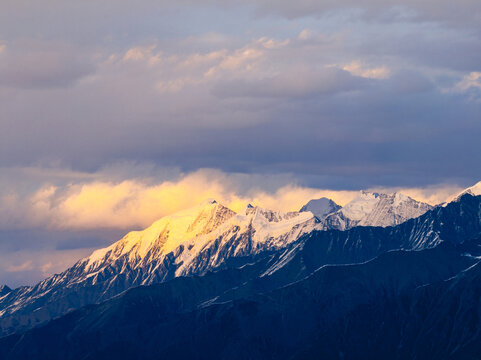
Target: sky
[(115, 113)]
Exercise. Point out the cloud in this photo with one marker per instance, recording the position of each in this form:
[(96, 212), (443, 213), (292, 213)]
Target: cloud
[(36, 65), (466, 11), (136, 203), (410, 82), (26, 266), (357, 68), (293, 84), (469, 84), (126, 204), (350, 101), (472, 80)]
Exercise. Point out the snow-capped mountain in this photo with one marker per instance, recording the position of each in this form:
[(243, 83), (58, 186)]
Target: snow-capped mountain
[(374, 209), (191, 242), (200, 239), (452, 225), (474, 190), (321, 207), (283, 245)]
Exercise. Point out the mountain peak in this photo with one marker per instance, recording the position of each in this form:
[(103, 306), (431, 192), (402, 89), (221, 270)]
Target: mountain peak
[(369, 194), (362, 204), (320, 207), (207, 202), (250, 209), (474, 190), (167, 233)]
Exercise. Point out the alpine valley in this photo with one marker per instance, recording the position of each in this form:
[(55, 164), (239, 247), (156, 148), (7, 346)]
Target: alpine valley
[(384, 276)]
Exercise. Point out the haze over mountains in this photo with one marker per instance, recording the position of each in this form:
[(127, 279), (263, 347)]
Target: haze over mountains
[(229, 258)]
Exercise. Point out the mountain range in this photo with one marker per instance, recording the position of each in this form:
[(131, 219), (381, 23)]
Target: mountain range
[(250, 278)]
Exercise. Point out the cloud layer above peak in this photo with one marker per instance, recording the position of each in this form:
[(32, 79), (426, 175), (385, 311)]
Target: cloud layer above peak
[(382, 105)]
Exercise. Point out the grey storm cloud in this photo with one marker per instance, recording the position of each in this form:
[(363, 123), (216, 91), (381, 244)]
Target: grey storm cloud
[(381, 91)]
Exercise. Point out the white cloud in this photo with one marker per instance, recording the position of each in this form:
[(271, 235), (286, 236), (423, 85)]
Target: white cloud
[(25, 266), (305, 34), (471, 80), (469, 86), (359, 69)]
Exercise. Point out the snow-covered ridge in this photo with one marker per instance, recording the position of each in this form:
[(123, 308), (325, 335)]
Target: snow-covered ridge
[(474, 190), (363, 204), (190, 232), (190, 242), (375, 209), (166, 233)]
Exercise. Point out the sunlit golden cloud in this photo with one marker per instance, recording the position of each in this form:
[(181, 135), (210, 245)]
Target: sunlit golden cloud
[(136, 203)]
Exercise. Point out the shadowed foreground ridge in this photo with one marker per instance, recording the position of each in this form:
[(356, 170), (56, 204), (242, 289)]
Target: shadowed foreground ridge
[(383, 307)]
